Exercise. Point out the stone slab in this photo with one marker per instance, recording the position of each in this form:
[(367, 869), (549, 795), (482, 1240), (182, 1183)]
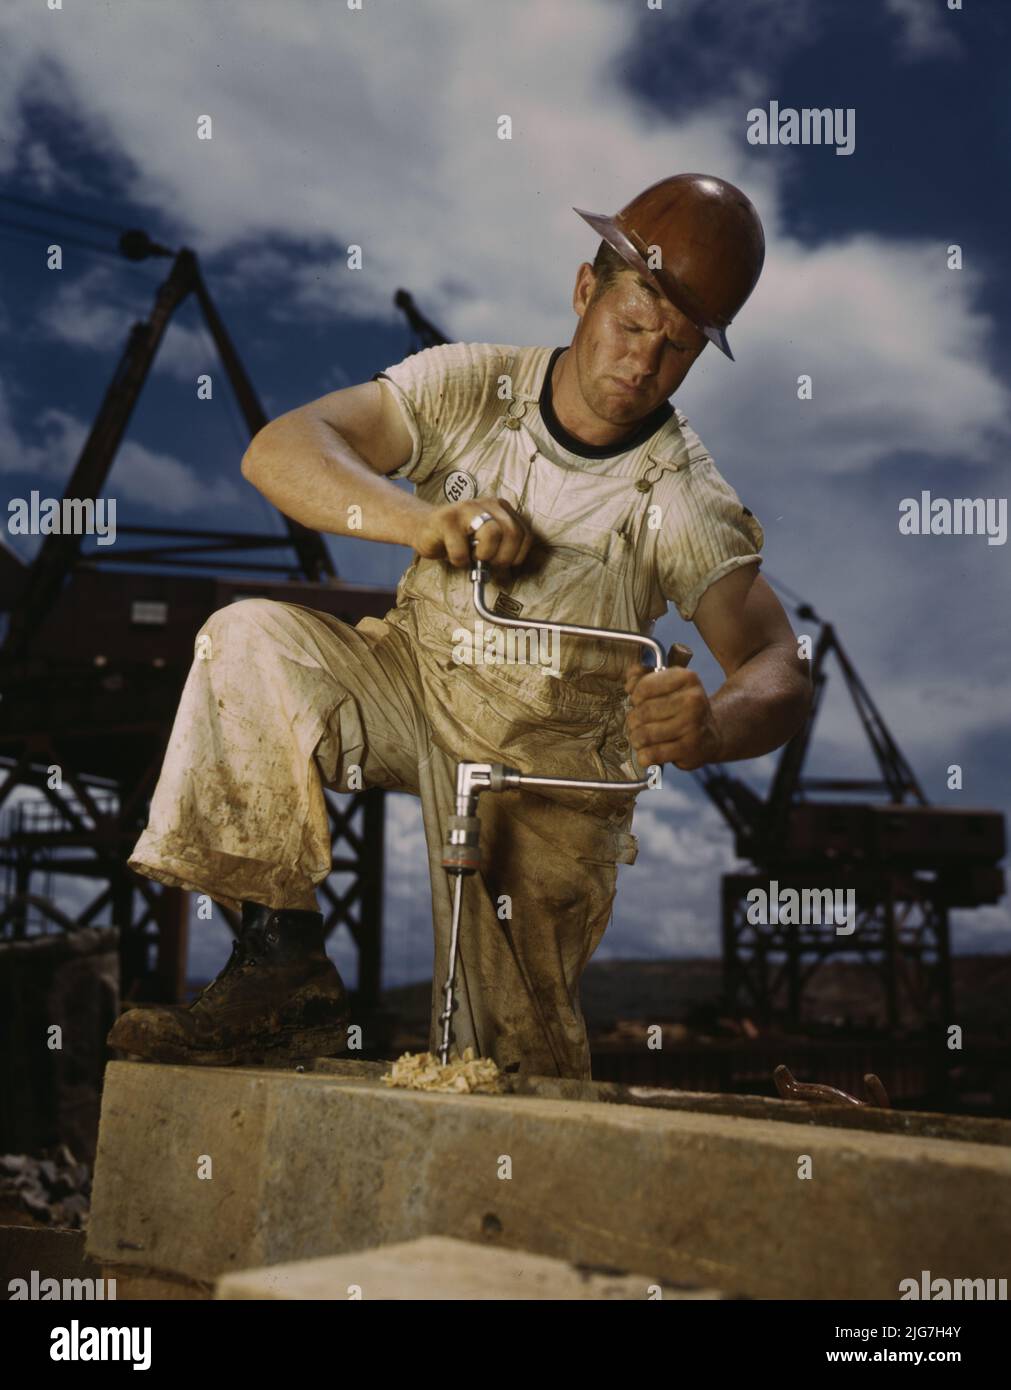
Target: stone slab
[(308, 1165), (440, 1268)]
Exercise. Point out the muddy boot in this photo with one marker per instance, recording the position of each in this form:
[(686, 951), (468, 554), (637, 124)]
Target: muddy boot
[(279, 997)]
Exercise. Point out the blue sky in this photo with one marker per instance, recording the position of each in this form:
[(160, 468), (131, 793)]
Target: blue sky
[(378, 127)]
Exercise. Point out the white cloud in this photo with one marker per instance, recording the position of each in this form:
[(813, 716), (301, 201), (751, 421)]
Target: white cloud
[(928, 710), (896, 349), (926, 29), (139, 474), (408, 935), (982, 929), (44, 171), (96, 309), (405, 845), (379, 129), (87, 311), (677, 841)]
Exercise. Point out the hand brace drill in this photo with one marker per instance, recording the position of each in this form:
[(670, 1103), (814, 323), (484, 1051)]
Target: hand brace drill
[(461, 848)]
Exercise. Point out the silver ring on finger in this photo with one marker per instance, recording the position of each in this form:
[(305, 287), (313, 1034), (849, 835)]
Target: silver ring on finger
[(478, 521)]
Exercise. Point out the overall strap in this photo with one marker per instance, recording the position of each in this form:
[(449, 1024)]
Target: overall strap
[(669, 453), (492, 409)]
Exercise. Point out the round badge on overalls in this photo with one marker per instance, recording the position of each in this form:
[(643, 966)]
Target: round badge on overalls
[(459, 486)]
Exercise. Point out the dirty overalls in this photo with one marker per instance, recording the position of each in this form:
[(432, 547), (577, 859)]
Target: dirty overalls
[(286, 699)]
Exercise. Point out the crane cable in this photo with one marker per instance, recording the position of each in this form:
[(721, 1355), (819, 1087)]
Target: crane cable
[(29, 229), (59, 212)]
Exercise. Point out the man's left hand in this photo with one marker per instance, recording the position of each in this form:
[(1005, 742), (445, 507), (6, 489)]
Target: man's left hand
[(671, 719)]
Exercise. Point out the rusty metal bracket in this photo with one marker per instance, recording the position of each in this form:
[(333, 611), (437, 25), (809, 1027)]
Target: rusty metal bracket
[(791, 1089)]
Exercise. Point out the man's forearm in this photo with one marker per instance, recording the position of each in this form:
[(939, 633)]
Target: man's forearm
[(762, 705), (312, 474)]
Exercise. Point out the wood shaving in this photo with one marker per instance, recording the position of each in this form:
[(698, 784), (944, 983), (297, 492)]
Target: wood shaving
[(422, 1071)]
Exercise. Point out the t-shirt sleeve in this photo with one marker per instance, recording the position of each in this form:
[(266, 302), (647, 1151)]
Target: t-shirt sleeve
[(440, 392), (705, 533)]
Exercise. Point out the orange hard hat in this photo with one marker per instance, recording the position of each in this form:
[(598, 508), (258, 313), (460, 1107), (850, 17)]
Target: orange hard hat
[(710, 242)]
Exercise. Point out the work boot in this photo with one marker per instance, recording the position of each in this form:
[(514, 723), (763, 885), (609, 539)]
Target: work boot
[(278, 997)]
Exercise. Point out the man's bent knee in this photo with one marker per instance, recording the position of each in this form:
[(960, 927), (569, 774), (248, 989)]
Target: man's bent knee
[(245, 618)]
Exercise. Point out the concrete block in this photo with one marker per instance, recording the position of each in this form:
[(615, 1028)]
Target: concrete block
[(438, 1267), (308, 1165)]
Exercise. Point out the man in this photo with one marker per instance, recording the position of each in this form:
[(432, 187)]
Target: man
[(594, 502)]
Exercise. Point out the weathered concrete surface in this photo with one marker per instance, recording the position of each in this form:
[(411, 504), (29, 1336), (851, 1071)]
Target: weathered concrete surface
[(438, 1267), (310, 1165), (977, 1129)]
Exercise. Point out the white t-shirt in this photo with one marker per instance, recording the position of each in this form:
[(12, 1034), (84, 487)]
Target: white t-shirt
[(704, 531), (623, 530)]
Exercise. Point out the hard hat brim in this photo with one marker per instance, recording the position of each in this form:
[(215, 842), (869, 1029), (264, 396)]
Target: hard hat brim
[(609, 230)]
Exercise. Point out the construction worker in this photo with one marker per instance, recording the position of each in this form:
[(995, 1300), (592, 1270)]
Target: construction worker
[(593, 501)]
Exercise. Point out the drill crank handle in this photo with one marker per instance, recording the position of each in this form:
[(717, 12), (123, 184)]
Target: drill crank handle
[(480, 574)]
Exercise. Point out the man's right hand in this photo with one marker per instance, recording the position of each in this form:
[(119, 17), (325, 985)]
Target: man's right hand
[(444, 533)]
